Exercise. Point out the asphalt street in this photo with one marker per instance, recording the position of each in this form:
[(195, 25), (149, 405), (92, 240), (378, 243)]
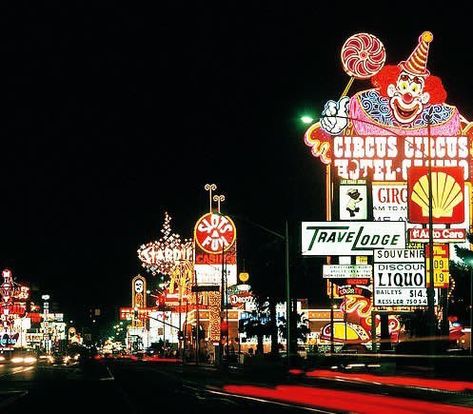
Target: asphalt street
[(124, 387), (140, 387)]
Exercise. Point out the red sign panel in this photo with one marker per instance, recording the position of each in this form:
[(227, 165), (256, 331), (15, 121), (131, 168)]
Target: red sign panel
[(214, 233), (446, 196)]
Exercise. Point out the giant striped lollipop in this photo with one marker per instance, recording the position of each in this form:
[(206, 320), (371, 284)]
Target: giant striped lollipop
[(363, 56)]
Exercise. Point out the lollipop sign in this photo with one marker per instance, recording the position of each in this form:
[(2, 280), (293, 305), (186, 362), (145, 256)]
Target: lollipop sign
[(363, 55)]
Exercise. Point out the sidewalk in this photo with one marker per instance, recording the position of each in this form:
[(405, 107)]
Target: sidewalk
[(404, 381), (301, 387)]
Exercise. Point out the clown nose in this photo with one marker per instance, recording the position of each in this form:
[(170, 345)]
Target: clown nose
[(407, 98)]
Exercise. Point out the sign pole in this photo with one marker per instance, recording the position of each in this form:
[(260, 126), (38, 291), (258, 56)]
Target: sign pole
[(288, 298), (430, 287), (332, 347)]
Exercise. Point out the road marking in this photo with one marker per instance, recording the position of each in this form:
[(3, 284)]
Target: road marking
[(110, 376), (261, 400), (17, 370), (10, 400)]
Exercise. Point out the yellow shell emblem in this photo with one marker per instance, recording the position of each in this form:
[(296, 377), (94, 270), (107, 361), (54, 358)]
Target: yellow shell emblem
[(446, 194)]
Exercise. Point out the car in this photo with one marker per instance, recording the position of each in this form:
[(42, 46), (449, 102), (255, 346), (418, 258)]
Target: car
[(59, 358), (23, 357)]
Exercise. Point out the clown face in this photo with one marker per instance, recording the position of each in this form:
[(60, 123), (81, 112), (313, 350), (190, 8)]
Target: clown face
[(407, 97), (139, 286)]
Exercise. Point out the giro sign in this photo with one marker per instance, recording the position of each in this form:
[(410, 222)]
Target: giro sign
[(343, 239)]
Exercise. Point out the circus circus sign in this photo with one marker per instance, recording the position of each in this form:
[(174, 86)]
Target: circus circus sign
[(403, 121), (388, 158), (161, 256)]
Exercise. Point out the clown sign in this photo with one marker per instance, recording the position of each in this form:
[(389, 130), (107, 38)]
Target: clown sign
[(402, 121)]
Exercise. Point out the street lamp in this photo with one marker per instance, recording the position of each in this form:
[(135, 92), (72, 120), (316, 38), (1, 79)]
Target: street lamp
[(306, 119), (469, 263)]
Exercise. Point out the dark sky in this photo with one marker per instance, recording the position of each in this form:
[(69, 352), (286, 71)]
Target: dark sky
[(112, 115)]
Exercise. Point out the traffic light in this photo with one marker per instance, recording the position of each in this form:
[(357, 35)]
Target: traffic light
[(180, 335)]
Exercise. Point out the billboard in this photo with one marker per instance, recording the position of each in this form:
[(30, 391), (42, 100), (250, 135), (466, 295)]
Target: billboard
[(162, 256), (446, 196), (353, 202), (350, 238), (215, 250), (212, 274), (389, 157), (399, 278), (441, 265), (389, 201), (138, 292), (214, 233), (347, 271)]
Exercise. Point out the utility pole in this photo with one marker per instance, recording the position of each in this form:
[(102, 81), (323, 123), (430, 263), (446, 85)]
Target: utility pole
[(222, 304), (288, 298)]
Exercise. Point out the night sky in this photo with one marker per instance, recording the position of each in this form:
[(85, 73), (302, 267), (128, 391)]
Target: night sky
[(113, 115)]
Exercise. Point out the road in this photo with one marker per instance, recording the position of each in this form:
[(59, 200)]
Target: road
[(139, 387)]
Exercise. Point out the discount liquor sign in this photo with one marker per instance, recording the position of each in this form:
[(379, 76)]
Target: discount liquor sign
[(399, 278)]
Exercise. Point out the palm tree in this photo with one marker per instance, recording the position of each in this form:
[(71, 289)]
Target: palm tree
[(257, 323), (302, 327)]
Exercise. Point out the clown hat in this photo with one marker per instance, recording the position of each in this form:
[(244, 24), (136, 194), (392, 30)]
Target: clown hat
[(416, 63)]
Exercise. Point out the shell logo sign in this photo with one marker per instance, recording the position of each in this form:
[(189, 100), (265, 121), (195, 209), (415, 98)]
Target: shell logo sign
[(214, 233), (447, 195)]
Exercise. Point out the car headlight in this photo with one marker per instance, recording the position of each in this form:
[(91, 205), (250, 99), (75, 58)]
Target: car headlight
[(67, 358), (29, 360), (2, 358), (17, 360)]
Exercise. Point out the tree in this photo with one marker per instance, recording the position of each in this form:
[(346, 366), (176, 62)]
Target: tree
[(268, 283), (302, 327), (461, 273), (257, 323)]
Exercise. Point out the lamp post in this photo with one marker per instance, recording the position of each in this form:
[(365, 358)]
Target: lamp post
[(471, 305)]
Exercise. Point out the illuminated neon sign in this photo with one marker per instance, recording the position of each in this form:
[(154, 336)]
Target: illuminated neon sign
[(380, 132), (215, 233)]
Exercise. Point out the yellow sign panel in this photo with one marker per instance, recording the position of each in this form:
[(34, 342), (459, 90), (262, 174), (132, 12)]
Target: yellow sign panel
[(441, 266), (243, 276), (361, 259)]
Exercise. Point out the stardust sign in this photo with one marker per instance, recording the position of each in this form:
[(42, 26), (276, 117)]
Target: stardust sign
[(355, 238)]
